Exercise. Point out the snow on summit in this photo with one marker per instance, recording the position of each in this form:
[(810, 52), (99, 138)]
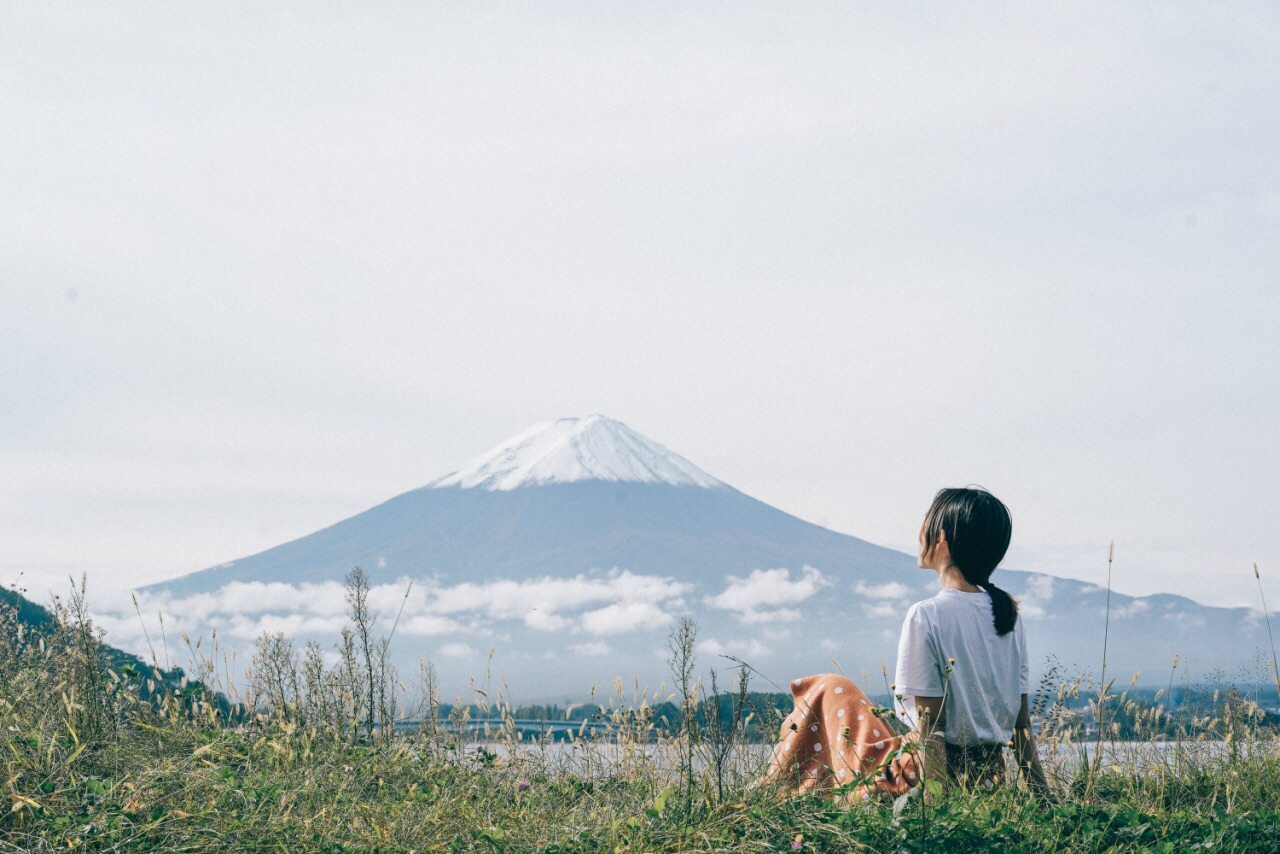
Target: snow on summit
[(576, 449)]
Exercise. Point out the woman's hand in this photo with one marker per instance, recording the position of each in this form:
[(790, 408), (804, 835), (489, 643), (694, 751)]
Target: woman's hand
[(1024, 748)]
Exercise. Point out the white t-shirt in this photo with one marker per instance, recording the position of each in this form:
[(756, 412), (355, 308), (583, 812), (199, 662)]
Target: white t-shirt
[(983, 691)]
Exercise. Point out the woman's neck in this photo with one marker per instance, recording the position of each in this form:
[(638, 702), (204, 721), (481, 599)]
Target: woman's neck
[(949, 578)]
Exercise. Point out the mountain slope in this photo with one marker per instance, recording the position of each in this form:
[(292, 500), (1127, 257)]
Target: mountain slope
[(470, 534)]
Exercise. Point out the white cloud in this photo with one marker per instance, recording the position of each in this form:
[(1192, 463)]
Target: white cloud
[(253, 597), (544, 621), (778, 615), (888, 590), (882, 601), (1135, 608), (592, 649), (541, 602), (744, 649), (123, 631), (1185, 620), (598, 604), (429, 624), (292, 625), (456, 650), (1037, 596), (764, 594), (882, 610), (624, 617)]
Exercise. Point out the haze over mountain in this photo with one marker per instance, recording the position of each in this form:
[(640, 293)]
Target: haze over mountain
[(571, 548)]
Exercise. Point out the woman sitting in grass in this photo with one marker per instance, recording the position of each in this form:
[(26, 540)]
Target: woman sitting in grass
[(961, 679)]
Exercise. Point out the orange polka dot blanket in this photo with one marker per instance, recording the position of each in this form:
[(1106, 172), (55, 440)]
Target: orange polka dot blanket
[(834, 743)]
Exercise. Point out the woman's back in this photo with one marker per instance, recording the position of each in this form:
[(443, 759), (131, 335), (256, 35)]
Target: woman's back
[(949, 648), (962, 662)]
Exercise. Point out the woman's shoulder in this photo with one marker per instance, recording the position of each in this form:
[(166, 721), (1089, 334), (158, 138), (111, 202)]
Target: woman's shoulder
[(946, 605), (925, 609)]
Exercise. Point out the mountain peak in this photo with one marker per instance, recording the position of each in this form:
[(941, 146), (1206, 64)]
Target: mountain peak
[(577, 449)]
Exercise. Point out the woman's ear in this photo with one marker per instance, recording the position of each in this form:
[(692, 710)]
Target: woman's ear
[(929, 556), (941, 551)]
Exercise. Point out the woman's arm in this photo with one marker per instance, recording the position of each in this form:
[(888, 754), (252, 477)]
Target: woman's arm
[(932, 741), (1024, 748)]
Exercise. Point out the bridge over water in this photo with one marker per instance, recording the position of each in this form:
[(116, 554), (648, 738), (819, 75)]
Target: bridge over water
[(487, 727)]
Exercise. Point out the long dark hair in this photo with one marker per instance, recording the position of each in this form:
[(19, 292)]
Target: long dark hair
[(977, 526)]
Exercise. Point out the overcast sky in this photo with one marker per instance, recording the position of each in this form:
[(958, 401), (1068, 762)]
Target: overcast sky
[(263, 266)]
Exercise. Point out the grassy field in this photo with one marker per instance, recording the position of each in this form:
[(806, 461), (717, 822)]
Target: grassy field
[(101, 757)]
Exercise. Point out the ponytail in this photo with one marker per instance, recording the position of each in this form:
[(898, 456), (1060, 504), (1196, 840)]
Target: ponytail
[(977, 527), (1003, 608)]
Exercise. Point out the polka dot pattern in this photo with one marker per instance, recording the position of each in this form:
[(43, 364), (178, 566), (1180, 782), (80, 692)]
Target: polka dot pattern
[(810, 753)]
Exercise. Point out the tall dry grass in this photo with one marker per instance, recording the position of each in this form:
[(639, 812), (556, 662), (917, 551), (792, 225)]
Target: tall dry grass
[(297, 753)]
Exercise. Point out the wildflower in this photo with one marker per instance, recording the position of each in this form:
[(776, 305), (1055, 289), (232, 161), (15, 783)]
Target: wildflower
[(798, 842), (951, 661), (521, 785)]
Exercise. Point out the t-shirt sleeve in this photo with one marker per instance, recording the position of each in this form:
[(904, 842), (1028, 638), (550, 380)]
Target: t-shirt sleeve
[(1024, 674), (919, 672)]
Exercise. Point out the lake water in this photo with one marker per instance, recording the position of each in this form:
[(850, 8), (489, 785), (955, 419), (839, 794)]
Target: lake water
[(596, 759)]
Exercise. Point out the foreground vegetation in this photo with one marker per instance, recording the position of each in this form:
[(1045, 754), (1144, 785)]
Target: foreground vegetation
[(103, 756)]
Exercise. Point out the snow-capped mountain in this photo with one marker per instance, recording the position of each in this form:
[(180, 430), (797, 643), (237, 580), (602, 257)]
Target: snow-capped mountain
[(575, 449), (564, 497), (581, 540)]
